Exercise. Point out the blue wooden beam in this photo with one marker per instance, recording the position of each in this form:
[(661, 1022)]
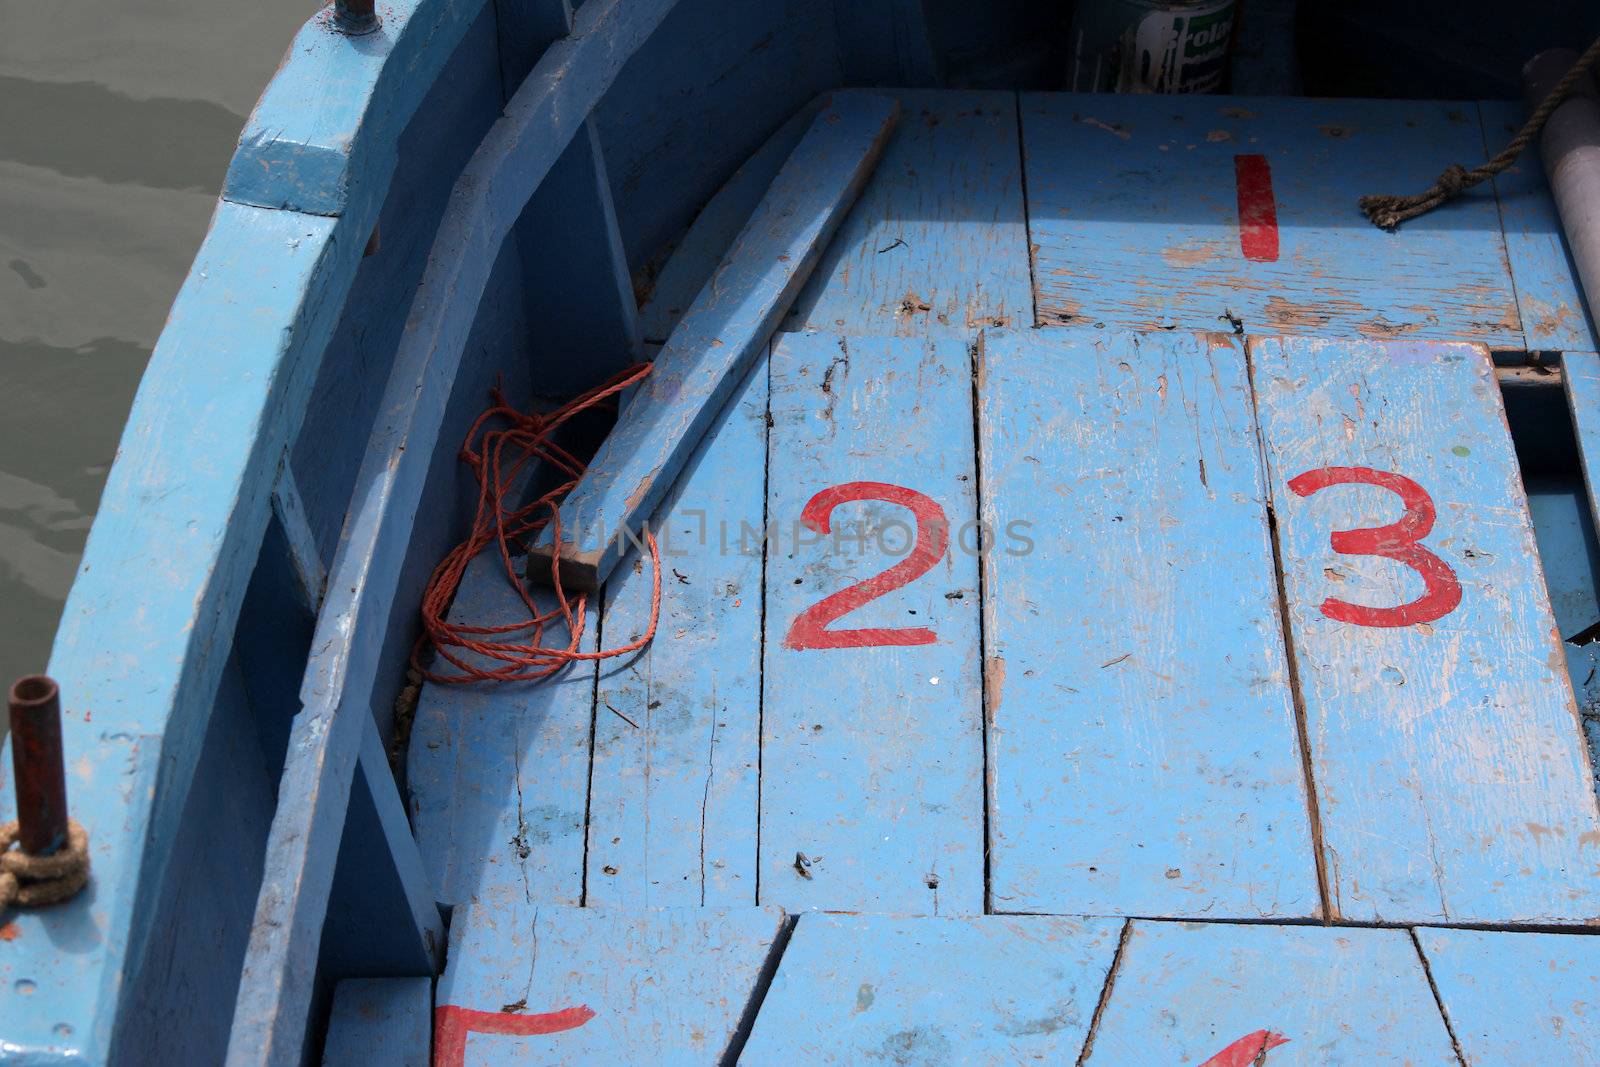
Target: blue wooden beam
[(323, 136), (181, 520), (701, 248), (380, 1022), (718, 339), (541, 120), (311, 575), (575, 269)]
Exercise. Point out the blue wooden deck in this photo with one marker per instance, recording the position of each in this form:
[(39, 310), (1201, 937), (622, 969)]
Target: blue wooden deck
[(1023, 646)]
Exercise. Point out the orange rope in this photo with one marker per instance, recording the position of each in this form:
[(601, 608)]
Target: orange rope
[(499, 457)]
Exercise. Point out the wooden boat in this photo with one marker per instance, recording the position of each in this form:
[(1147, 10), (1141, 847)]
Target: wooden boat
[(1180, 658)]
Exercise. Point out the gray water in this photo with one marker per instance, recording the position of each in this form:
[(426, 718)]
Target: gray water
[(116, 124)]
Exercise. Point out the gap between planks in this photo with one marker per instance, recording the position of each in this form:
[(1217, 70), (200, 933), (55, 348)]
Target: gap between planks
[(1291, 659)]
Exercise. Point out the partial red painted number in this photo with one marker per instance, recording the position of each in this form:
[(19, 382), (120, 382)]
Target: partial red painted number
[(452, 1024), (810, 627), (1249, 1051), (1258, 208), (1397, 541)]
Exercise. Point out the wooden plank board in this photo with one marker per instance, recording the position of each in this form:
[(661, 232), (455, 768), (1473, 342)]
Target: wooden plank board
[(576, 274), (1559, 508), (1213, 994), (557, 985), (499, 772), (275, 987), (1143, 751), (1134, 206), (1554, 316), (876, 988), (673, 802), (323, 134), (380, 1022), (938, 241), (1451, 775), (713, 230), (872, 752), (719, 338), (1517, 998)]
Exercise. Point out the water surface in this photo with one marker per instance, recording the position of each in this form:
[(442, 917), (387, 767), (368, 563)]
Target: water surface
[(116, 125)]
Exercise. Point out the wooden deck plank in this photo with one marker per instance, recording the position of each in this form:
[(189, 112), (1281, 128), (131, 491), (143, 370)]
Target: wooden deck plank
[(1189, 993), (380, 1022), (720, 337), (1552, 308), (672, 814), (1142, 742), (1451, 775), (938, 241), (499, 772), (1571, 563), (558, 985), (1134, 210), (877, 988), (872, 755), (1517, 998)]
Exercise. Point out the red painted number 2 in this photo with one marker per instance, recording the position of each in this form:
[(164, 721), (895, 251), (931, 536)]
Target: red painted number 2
[(810, 627), (1397, 541)]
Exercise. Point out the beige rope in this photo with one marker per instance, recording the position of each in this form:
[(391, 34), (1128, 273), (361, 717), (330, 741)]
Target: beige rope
[(31, 881), (1388, 212)]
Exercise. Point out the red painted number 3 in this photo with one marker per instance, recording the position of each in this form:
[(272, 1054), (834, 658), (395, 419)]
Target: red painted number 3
[(810, 627), (1397, 541)]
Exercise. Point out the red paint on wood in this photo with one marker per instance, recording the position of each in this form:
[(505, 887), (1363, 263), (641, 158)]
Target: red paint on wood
[(1249, 1050), (809, 629), (1258, 210), (452, 1024), (1396, 541)]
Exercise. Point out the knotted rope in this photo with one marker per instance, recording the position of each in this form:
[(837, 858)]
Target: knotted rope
[(1388, 212), (31, 881), (500, 455)]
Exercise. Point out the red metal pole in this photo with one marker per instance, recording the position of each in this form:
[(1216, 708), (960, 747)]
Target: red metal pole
[(36, 758)]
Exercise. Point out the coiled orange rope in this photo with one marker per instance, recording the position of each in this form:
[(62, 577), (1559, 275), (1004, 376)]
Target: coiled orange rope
[(501, 448)]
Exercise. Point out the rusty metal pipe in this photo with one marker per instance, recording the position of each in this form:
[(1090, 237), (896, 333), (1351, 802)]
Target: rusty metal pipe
[(36, 759), (356, 17), (1570, 147)]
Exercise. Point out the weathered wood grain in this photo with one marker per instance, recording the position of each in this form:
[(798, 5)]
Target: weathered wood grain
[(577, 284), (673, 800), (323, 133), (558, 985), (698, 98), (1554, 316), (877, 988), (1133, 206), (380, 1022), (702, 246), (1517, 998), (938, 242), (887, 42), (1570, 558), (1143, 756), (499, 772), (310, 573), (178, 532), (718, 339), (872, 756), (1451, 775), (1184, 992), (496, 183)]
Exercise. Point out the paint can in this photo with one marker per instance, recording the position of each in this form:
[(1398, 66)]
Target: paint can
[(1150, 46)]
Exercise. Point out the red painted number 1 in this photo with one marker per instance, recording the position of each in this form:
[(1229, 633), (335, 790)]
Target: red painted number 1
[(1397, 541), (810, 627)]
